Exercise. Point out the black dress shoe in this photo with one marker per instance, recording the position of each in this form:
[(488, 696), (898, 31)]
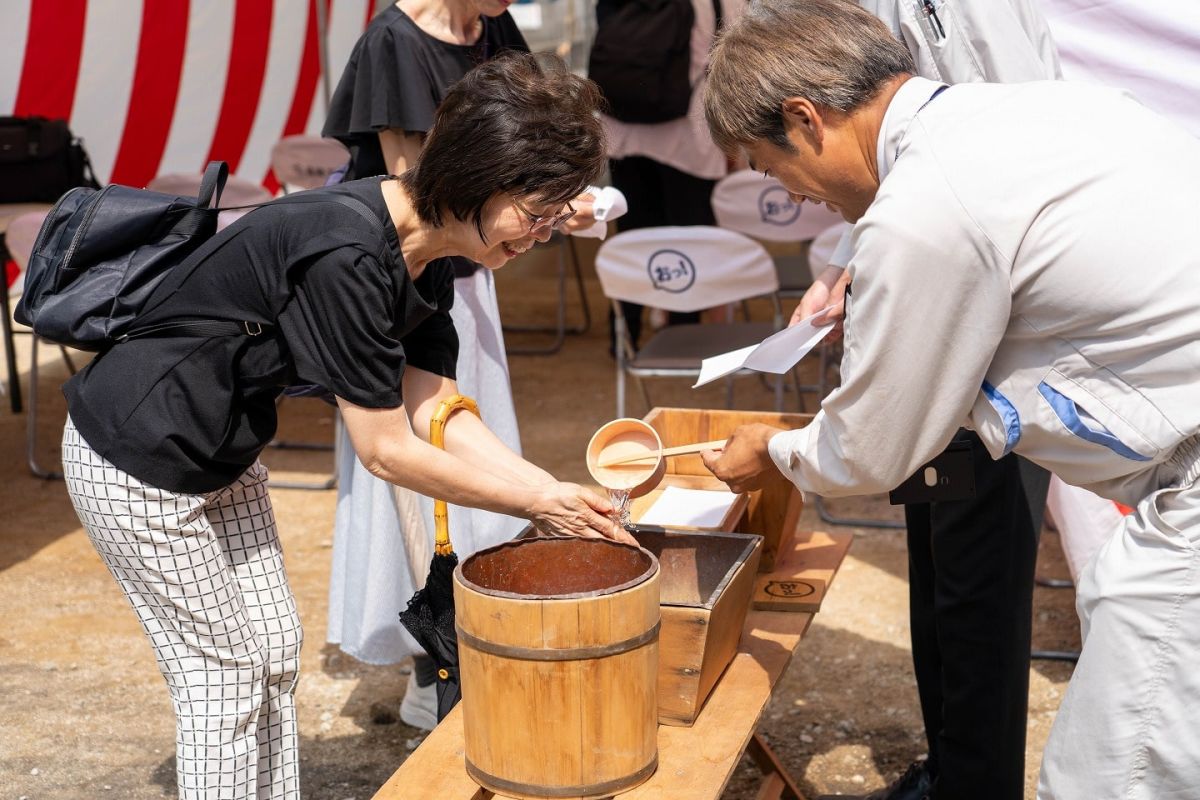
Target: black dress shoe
[(914, 784)]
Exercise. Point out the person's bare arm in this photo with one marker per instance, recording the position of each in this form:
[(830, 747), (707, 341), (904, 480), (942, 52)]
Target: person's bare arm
[(400, 149), (386, 445), (829, 289), (466, 435)]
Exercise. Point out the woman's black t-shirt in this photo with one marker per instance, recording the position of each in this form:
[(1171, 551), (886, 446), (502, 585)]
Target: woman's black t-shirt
[(189, 413), (397, 76)]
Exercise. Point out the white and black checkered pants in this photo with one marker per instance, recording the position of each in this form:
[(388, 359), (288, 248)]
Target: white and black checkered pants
[(205, 575)]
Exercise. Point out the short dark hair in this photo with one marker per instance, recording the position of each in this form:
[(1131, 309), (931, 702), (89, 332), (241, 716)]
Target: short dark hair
[(831, 52), (515, 124)]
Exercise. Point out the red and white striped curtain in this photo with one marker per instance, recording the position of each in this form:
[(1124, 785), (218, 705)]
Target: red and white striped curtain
[(162, 86)]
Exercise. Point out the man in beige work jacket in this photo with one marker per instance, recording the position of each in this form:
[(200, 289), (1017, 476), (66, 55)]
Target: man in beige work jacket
[(993, 266)]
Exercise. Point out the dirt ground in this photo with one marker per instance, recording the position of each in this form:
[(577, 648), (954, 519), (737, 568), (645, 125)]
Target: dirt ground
[(86, 714)]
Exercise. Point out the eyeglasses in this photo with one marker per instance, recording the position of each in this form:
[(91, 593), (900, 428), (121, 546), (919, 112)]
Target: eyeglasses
[(540, 222)]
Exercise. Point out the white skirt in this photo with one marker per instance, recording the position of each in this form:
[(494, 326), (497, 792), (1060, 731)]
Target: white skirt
[(383, 534)]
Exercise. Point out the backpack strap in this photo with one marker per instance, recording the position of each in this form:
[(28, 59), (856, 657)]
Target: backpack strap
[(223, 327)]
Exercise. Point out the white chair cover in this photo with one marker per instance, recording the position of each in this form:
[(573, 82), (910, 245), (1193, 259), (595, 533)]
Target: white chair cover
[(238, 192), (822, 247), (21, 234), (758, 206), (306, 162), (685, 268)]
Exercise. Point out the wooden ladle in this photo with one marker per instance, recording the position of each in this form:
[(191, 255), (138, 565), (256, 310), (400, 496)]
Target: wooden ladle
[(681, 450)]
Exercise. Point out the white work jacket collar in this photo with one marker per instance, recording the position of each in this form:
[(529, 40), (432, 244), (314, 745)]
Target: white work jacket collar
[(908, 100)]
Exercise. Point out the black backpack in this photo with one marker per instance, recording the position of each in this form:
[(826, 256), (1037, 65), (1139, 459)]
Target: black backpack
[(101, 254), (40, 159), (641, 57)]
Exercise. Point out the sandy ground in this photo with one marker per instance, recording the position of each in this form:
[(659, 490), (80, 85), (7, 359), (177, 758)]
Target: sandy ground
[(86, 714)]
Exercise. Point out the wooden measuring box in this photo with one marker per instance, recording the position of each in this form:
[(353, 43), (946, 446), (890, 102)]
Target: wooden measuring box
[(705, 583), (771, 512)]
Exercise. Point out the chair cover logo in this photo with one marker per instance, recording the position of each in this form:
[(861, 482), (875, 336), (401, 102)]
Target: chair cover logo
[(775, 207), (671, 271)]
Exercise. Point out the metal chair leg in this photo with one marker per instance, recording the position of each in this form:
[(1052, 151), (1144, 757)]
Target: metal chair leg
[(1054, 655), (31, 420), (800, 390), (645, 392), (560, 329), (331, 482), (10, 348), (825, 516)]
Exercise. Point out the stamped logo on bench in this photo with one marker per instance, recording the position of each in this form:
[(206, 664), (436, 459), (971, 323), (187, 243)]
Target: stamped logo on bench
[(789, 589)]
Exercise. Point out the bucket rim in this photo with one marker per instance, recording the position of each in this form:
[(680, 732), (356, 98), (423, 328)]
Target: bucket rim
[(646, 575)]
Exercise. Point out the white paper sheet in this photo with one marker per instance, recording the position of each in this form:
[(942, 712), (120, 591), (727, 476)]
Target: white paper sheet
[(778, 353), (693, 508)]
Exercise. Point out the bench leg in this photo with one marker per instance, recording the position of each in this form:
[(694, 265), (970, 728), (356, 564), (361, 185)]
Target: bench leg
[(777, 783)]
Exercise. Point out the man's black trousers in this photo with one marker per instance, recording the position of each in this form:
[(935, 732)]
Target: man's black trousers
[(971, 568)]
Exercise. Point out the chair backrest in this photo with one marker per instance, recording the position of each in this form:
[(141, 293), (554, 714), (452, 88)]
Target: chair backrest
[(238, 192), (306, 162), (757, 206), (21, 234), (822, 247), (686, 268)]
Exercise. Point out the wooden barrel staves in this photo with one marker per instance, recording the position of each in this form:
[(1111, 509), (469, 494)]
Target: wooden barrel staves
[(558, 656)]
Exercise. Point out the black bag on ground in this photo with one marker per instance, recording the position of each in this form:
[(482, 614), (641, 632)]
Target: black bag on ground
[(100, 255), (641, 58), (40, 160)]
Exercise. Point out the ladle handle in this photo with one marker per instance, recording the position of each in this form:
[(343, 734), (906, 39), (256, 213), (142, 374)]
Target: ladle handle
[(667, 452)]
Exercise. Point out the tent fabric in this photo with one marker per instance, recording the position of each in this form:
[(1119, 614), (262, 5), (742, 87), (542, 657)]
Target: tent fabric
[(167, 85)]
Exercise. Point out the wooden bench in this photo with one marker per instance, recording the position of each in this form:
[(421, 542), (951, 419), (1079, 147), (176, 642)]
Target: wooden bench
[(693, 763)]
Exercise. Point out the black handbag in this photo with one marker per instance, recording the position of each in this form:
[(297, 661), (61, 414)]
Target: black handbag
[(40, 160)]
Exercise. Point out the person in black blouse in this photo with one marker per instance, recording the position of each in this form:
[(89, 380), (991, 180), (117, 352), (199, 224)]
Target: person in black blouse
[(161, 444), (400, 69)]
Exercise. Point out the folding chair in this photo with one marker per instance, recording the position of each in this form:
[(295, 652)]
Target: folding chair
[(9, 212), (19, 238), (238, 192), (305, 162), (819, 253), (758, 206), (686, 269), (560, 328)]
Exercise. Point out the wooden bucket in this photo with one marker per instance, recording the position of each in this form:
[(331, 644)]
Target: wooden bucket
[(558, 657)]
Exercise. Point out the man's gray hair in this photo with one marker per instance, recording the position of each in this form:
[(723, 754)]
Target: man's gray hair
[(831, 52)]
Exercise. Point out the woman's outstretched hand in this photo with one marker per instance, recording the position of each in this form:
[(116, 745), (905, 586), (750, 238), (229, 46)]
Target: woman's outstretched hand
[(567, 509)]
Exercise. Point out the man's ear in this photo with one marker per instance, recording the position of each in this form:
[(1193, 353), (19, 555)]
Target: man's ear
[(803, 117)]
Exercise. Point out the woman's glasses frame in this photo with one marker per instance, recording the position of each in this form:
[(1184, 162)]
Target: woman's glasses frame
[(539, 222)]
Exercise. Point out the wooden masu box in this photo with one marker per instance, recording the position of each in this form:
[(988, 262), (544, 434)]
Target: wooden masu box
[(773, 511), (705, 584)]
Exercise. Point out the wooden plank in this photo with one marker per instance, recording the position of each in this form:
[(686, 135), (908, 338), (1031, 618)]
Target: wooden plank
[(771, 788), (783, 786), (801, 580)]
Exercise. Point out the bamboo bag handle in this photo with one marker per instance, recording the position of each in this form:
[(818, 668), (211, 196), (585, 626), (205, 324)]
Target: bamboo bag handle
[(437, 437)]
